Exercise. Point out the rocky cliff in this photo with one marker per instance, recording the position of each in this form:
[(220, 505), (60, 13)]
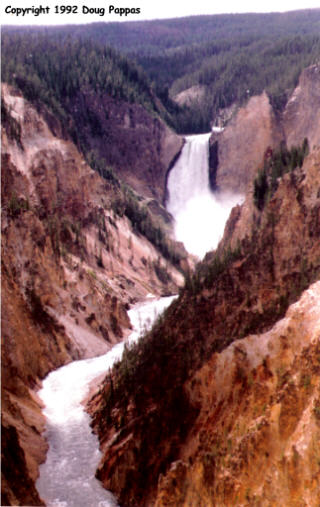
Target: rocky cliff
[(301, 115), (255, 440), (73, 261), (238, 151), (226, 386), (138, 145)]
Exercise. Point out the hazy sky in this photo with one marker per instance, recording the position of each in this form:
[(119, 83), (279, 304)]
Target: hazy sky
[(149, 9)]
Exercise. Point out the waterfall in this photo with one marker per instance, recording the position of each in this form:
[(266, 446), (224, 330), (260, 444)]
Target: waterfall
[(200, 214), (67, 478)]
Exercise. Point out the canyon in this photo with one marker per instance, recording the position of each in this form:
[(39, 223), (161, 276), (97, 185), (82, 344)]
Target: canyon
[(219, 403), (71, 266), (238, 357), (231, 298)]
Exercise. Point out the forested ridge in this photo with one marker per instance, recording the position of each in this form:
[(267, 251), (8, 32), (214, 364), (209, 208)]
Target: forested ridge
[(153, 37), (52, 70), (232, 57), (78, 81)]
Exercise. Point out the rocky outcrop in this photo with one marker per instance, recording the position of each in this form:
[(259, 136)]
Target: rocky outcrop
[(191, 96), (255, 438), (209, 444), (72, 263), (301, 115), (238, 151)]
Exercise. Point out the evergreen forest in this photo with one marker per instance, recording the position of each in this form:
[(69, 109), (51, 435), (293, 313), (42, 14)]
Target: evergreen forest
[(231, 57)]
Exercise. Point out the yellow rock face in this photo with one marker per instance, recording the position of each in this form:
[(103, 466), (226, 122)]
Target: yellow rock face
[(258, 442)]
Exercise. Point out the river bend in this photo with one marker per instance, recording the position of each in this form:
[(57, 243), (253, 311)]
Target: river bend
[(67, 478)]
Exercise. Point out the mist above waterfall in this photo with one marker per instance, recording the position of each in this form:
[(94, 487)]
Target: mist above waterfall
[(200, 214), (200, 224)]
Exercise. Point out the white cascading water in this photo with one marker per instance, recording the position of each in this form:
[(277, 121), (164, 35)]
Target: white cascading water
[(67, 478), (200, 215)]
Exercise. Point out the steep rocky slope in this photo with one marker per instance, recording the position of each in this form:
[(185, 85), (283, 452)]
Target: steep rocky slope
[(300, 121), (301, 115), (238, 151), (256, 438), (191, 95), (166, 394), (136, 144), (72, 262)]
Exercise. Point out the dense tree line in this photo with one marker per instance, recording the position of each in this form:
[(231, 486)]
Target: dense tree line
[(236, 73), (231, 71), (231, 56), (53, 70), (153, 38)]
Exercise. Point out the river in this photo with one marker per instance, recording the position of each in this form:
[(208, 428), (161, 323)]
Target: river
[(67, 478)]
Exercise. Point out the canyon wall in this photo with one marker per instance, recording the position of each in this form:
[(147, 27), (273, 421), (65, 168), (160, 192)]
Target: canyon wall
[(75, 255), (301, 115), (238, 151), (255, 440), (72, 263), (137, 144), (227, 322)]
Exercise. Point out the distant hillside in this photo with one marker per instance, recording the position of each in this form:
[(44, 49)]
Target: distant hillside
[(52, 70), (152, 37), (231, 56)]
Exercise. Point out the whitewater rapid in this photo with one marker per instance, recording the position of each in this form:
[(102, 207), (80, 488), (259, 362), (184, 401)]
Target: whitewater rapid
[(67, 478), (200, 214)]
